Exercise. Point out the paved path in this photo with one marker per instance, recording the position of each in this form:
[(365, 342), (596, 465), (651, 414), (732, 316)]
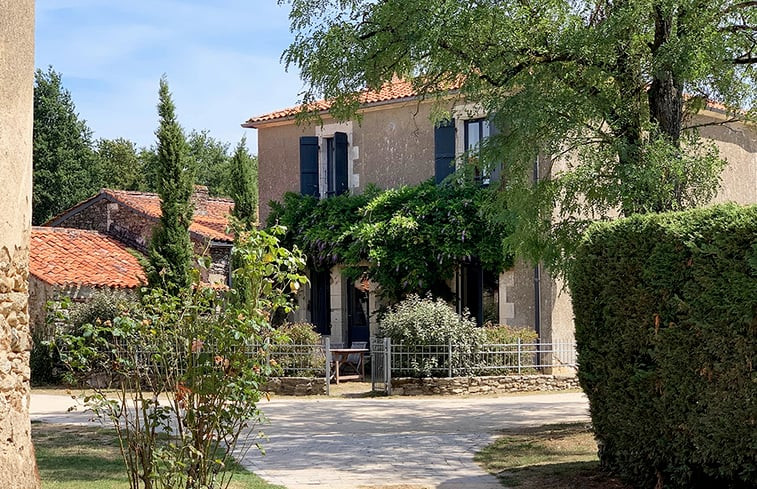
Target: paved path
[(373, 442)]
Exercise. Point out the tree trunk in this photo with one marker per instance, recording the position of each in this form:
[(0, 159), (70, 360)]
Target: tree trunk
[(666, 90)]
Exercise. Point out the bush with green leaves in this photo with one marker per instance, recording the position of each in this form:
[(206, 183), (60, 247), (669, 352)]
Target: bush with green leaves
[(409, 239), (187, 369), (426, 328), (297, 350), (666, 329)]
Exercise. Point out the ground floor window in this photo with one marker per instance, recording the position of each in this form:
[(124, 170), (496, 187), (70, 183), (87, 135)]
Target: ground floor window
[(478, 292)]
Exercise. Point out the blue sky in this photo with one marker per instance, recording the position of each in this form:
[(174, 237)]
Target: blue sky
[(221, 58)]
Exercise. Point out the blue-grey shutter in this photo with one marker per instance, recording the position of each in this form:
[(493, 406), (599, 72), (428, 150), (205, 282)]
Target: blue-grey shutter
[(444, 150), (340, 163), (309, 165)]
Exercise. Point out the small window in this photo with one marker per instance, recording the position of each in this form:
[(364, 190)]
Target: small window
[(477, 130)]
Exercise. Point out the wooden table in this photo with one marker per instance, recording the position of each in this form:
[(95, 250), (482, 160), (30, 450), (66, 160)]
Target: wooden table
[(339, 357)]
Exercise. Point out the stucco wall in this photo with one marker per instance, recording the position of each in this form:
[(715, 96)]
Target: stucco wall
[(17, 463)]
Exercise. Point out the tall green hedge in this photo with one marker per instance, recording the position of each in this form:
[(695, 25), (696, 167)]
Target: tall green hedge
[(666, 326)]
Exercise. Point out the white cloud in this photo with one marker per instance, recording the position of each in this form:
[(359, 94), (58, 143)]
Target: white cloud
[(221, 58)]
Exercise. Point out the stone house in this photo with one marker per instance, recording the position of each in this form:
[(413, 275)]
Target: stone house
[(130, 217), (395, 143), (76, 263)]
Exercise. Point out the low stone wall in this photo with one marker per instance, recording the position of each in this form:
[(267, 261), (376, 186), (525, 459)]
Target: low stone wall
[(482, 385), (297, 386)]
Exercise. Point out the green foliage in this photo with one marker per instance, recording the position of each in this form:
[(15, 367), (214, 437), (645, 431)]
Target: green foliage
[(666, 327), (502, 334), (170, 250), (429, 326), (211, 161), (103, 306), (294, 352), (188, 370), (65, 167), (243, 185), (123, 166), (601, 82), (412, 238)]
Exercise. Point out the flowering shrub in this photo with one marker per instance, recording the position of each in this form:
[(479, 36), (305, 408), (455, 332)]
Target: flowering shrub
[(188, 369)]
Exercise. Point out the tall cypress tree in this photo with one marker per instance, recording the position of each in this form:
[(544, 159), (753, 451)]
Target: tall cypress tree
[(244, 185), (244, 190), (170, 250)]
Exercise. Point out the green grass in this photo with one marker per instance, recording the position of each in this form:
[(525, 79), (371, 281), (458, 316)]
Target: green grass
[(554, 456), (86, 457)]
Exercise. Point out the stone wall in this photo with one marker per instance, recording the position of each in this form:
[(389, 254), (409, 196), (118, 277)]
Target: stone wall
[(482, 385), (18, 468), (116, 220), (297, 386)]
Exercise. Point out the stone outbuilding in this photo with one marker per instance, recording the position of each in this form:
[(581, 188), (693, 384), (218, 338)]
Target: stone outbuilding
[(76, 263), (130, 217)]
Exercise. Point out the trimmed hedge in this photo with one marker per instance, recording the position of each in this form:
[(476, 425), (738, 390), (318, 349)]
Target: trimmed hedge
[(666, 326)]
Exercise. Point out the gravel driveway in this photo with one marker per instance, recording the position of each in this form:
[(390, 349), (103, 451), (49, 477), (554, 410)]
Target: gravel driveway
[(408, 443)]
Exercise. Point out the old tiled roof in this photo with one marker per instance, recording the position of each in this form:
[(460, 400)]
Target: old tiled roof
[(64, 256), (212, 225), (396, 90)]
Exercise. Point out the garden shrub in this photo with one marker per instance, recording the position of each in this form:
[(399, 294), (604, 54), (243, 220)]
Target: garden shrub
[(503, 334), (426, 327), (294, 350), (666, 327)]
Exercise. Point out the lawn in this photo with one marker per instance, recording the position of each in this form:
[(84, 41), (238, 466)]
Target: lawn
[(554, 456), (87, 457)]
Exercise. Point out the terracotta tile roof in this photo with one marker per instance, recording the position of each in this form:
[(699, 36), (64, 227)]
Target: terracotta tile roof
[(212, 225), (398, 89), (64, 256)]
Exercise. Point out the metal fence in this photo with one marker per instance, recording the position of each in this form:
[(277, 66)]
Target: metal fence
[(390, 360)]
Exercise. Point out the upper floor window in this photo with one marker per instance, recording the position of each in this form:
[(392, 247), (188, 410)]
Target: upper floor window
[(476, 130), (331, 163)]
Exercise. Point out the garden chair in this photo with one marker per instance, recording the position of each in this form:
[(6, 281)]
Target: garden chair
[(355, 360)]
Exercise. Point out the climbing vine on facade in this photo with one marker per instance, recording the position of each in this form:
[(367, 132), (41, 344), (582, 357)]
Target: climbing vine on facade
[(408, 239)]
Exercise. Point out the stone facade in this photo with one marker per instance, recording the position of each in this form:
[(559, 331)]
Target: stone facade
[(18, 469), (482, 385), (393, 145), (297, 386)]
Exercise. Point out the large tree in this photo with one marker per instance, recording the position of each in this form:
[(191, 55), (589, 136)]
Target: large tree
[(612, 83), (121, 165), (65, 167), (170, 251)]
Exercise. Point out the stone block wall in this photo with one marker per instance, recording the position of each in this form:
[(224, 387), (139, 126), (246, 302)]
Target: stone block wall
[(18, 468), (482, 385)]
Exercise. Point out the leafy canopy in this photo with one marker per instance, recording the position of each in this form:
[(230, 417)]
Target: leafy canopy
[(601, 81), (412, 238), (65, 169)]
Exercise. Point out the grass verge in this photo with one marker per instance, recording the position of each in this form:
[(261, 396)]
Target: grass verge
[(554, 456), (88, 457)]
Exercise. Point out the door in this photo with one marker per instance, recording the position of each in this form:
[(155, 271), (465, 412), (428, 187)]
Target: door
[(358, 312)]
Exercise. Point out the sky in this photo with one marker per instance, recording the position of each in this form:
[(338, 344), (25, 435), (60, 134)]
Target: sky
[(221, 58)]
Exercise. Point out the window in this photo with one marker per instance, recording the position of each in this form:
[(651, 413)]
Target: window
[(334, 167), (477, 130)]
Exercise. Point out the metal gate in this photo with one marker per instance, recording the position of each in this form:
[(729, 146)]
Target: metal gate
[(381, 371)]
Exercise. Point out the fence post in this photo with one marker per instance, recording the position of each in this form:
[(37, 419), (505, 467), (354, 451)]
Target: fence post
[(449, 358), (327, 350), (388, 365), (519, 357)]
